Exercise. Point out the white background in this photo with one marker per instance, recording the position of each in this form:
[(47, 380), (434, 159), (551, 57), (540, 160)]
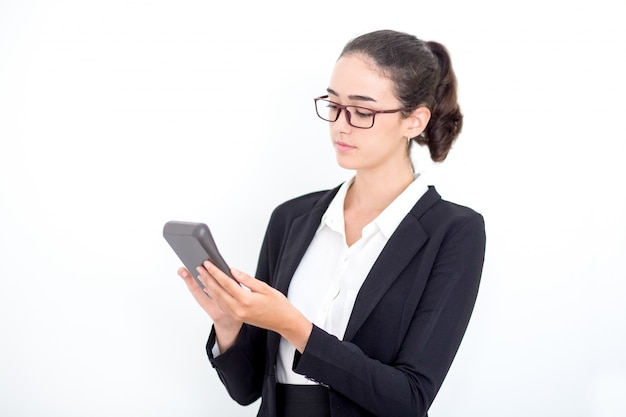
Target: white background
[(117, 116)]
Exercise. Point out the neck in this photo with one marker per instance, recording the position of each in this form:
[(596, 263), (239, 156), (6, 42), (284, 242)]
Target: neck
[(374, 191)]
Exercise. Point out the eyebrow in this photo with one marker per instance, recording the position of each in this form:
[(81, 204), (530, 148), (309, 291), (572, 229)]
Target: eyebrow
[(351, 97)]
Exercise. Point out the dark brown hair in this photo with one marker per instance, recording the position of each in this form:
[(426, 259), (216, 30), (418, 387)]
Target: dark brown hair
[(423, 76)]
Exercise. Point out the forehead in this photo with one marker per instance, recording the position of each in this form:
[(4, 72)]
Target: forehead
[(357, 75)]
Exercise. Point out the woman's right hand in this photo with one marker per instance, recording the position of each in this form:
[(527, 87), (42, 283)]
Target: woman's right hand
[(226, 327)]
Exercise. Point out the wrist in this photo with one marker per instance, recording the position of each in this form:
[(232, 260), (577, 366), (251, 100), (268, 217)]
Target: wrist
[(297, 332), (226, 332)]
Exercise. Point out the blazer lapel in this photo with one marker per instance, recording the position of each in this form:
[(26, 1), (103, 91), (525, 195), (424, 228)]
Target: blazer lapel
[(301, 232), (402, 246)]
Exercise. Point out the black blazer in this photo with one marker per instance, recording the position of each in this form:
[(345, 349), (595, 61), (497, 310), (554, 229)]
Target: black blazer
[(407, 323)]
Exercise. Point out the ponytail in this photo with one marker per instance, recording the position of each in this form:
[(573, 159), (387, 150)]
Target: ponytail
[(446, 119)]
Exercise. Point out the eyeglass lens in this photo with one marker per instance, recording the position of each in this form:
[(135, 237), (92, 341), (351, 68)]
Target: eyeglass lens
[(357, 116)]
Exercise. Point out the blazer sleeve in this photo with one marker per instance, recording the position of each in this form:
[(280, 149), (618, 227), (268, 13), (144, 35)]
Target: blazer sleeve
[(244, 365), (241, 368), (408, 384)]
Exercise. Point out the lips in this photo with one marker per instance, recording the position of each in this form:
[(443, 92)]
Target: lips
[(344, 147)]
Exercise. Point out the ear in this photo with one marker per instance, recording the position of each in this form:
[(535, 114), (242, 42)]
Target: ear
[(417, 121)]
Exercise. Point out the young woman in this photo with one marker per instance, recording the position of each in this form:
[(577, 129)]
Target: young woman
[(363, 292)]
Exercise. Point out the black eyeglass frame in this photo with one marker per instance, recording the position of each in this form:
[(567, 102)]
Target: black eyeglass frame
[(341, 107)]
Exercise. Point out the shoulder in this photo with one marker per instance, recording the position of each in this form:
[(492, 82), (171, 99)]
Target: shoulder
[(304, 204), (305, 210), (437, 215)]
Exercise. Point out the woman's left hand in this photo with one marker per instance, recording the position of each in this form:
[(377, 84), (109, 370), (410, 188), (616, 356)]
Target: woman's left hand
[(257, 304)]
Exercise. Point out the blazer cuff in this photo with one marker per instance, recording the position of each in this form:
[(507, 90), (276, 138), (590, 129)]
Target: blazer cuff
[(217, 358), (313, 357)]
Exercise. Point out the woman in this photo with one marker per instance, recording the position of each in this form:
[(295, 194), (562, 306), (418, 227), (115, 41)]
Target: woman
[(362, 293)]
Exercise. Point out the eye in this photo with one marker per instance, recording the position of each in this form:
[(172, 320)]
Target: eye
[(363, 112)]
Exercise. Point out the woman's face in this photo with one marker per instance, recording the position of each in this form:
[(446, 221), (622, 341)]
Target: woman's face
[(356, 81)]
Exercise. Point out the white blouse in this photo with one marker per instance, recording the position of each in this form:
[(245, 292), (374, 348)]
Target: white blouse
[(329, 277)]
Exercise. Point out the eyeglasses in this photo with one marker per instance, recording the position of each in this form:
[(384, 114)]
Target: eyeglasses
[(357, 116)]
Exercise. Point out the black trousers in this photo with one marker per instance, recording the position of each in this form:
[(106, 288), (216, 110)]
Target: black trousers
[(302, 401)]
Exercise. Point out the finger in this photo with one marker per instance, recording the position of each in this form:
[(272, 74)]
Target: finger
[(186, 276), (209, 285), (202, 276), (216, 285), (193, 286), (227, 283), (248, 281)]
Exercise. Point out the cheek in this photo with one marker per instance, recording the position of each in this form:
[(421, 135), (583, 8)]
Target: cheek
[(388, 142)]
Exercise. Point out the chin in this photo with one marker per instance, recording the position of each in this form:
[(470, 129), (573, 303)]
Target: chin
[(346, 163)]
